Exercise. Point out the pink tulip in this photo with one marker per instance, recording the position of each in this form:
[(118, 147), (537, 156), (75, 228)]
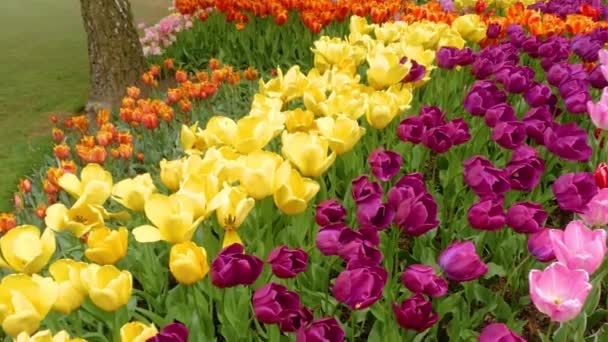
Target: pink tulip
[(603, 56), (598, 112), (559, 292), (596, 214), (579, 247)]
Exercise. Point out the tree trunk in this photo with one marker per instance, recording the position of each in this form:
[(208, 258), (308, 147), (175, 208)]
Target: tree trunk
[(115, 55)]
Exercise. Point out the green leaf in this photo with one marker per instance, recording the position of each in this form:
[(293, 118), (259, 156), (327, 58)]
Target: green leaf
[(495, 270)]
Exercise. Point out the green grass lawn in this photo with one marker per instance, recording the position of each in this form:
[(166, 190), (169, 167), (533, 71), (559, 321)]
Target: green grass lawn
[(43, 70)]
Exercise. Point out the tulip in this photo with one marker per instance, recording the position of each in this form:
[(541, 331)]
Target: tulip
[(509, 134), (307, 152), (327, 239), (579, 247), (526, 217), (359, 246), (108, 287), (364, 191), (220, 130), (174, 332), (272, 301), (133, 192), (171, 173), (461, 263), (329, 211), (598, 112), (415, 313), (287, 263), (596, 213), (343, 133), (192, 139), (568, 141), (515, 79), (299, 120), (502, 112), (487, 214), (105, 246), (482, 96), (231, 205), (601, 175), (295, 319), (411, 129), (538, 95), (199, 189), (172, 218), (385, 69), (470, 27), (498, 332), (137, 332), (70, 289), (360, 287), (422, 279), (324, 329), (540, 245), (537, 120), (524, 169), (257, 173), (25, 302), (188, 262), (94, 182), (47, 335), (253, 133), (375, 215), (573, 191), (483, 178), (382, 108), (232, 267), (559, 292), (25, 250), (292, 191), (415, 209), (79, 219)]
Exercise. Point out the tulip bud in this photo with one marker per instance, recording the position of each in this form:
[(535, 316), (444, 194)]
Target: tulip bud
[(422, 279), (71, 291), (540, 245), (526, 217), (188, 262), (574, 190), (137, 332), (324, 329), (415, 313), (601, 175), (232, 267), (460, 262), (108, 287), (499, 332), (287, 263), (174, 332), (487, 214), (384, 164), (329, 211), (360, 287), (327, 239), (106, 246)]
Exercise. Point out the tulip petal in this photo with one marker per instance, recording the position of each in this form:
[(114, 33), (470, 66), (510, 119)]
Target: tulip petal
[(56, 216), (147, 233), (231, 237), (71, 184)]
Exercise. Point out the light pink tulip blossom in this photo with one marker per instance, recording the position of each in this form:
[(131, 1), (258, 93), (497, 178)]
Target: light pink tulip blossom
[(579, 247), (596, 214), (559, 292)]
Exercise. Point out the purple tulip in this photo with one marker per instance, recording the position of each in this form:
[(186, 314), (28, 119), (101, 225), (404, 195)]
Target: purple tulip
[(329, 211), (558, 73), (524, 169), (540, 245), (431, 116), (360, 287), (360, 246), (375, 215), (509, 134), (384, 164), (537, 95), (537, 120), (415, 214), (411, 129), (499, 113), (422, 279), (415, 313), (577, 103), (487, 214), (173, 332), (498, 332), (482, 96), (459, 130), (493, 30), (515, 79), (450, 57), (271, 301), (568, 142), (483, 178), (232, 267), (414, 180), (364, 191), (572, 86), (327, 239), (287, 263), (574, 190), (438, 139), (322, 330), (596, 78), (295, 319), (526, 217), (417, 72), (460, 262)]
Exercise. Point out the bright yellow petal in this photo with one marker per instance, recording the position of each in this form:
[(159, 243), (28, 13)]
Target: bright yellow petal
[(146, 234), (56, 216), (70, 183)]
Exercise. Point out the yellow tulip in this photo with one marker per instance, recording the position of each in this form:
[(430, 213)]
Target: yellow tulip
[(47, 336), (253, 133), (137, 332), (451, 38), (172, 217), (25, 250), (231, 205), (78, 219), (360, 25), (188, 262), (106, 246), (257, 173), (24, 302), (171, 173), (221, 162), (381, 109), (313, 97), (308, 152), (192, 139), (350, 101), (299, 120), (342, 132), (292, 191), (133, 192), (470, 27), (269, 109), (71, 292), (109, 288), (95, 182), (220, 130), (330, 52), (390, 32), (199, 189), (385, 69), (285, 86), (425, 34)]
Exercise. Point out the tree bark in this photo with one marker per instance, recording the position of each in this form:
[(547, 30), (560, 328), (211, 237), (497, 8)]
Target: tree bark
[(115, 55)]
